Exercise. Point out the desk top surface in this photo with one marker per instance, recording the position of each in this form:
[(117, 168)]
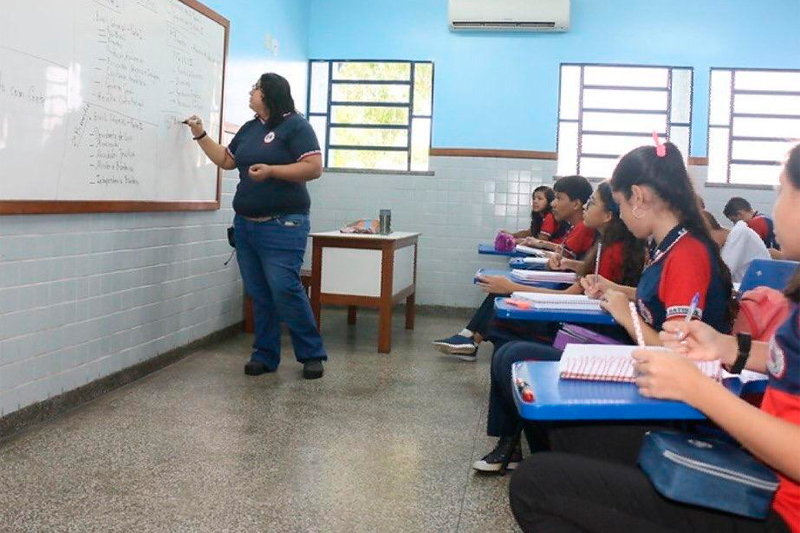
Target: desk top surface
[(567, 399), (510, 312), (488, 249), (393, 236)]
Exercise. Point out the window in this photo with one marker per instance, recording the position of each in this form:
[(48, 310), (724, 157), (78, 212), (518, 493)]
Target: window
[(605, 111), (753, 120), (372, 115)]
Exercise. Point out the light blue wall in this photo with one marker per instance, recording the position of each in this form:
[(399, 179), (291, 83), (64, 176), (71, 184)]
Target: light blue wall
[(248, 57), (288, 20), (501, 90)]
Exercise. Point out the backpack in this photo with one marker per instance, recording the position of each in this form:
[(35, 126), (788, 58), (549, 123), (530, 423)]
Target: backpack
[(761, 312), (504, 242)]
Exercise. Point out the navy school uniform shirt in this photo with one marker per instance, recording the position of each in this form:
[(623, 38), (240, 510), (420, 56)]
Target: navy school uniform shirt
[(782, 399), (255, 142), (677, 268)]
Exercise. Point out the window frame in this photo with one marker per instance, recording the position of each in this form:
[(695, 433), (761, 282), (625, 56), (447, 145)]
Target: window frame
[(667, 113), (409, 106), (732, 114)]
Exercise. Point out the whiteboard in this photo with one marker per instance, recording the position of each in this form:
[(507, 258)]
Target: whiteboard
[(92, 95)]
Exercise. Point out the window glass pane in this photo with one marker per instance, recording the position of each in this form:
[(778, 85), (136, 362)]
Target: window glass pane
[(592, 167), (681, 96), (762, 80), (628, 76), (760, 150), (613, 144), (364, 70), (319, 87), (345, 92), (766, 127), (368, 159), (567, 148), (369, 115), (755, 174), (617, 99), (369, 137), (570, 92), (420, 143), (423, 89), (718, 154), (625, 122), (764, 104), (319, 124), (720, 98), (679, 136)]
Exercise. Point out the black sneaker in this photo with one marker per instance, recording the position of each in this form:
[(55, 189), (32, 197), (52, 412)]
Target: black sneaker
[(312, 369), (493, 461), (256, 368), (459, 346)]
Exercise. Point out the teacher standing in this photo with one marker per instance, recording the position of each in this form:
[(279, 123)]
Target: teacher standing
[(276, 153)]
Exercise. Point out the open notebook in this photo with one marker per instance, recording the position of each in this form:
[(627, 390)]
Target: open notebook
[(544, 275), (533, 251), (594, 362), (539, 261), (577, 302)]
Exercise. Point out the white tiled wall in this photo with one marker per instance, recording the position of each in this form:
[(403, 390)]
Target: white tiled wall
[(463, 204), (83, 296)]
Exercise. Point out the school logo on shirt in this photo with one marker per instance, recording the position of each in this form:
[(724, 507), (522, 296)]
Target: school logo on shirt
[(776, 364), (269, 137)]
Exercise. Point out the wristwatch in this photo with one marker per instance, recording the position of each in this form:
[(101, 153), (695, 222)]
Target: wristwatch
[(744, 341)]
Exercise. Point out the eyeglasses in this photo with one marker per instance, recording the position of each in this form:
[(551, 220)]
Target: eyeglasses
[(256, 87), (589, 203)]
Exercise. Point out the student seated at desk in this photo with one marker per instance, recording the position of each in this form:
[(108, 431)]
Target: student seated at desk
[(567, 493), (572, 192), (621, 261), (543, 223), (738, 246), (601, 215), (657, 201), (739, 208)]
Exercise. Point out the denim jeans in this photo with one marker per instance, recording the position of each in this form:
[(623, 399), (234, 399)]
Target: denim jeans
[(270, 255)]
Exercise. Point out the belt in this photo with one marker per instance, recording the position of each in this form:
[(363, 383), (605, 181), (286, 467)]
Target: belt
[(261, 219)]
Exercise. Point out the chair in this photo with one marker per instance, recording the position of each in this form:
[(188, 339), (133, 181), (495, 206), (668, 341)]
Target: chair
[(768, 273)]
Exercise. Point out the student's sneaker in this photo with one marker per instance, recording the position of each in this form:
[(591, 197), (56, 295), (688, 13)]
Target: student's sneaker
[(459, 346), (493, 461)]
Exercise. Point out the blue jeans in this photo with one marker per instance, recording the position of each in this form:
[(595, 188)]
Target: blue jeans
[(270, 255)]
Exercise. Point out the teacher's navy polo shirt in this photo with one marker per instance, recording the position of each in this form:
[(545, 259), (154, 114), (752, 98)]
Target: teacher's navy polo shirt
[(255, 142)]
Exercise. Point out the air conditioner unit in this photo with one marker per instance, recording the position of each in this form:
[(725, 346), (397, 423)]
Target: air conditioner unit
[(509, 15)]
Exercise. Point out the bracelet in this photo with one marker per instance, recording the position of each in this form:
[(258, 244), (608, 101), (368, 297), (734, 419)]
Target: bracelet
[(200, 136)]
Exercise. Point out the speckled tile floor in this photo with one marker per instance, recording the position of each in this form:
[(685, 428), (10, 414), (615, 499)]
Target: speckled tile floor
[(381, 443)]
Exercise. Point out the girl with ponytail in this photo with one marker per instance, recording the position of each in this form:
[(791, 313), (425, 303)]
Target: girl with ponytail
[(658, 202)]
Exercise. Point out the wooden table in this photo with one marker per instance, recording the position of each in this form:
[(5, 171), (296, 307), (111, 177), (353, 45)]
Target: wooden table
[(358, 270)]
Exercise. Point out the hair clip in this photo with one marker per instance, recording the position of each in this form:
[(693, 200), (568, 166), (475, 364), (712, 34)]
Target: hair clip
[(661, 148)]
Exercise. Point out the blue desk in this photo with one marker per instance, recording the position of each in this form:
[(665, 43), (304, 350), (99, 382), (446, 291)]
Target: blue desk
[(509, 312), (556, 399), (507, 274), (488, 249), (519, 263)]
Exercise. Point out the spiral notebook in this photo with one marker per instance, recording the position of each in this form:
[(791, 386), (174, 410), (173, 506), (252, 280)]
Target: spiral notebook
[(566, 302), (543, 275), (593, 362), (532, 251)]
